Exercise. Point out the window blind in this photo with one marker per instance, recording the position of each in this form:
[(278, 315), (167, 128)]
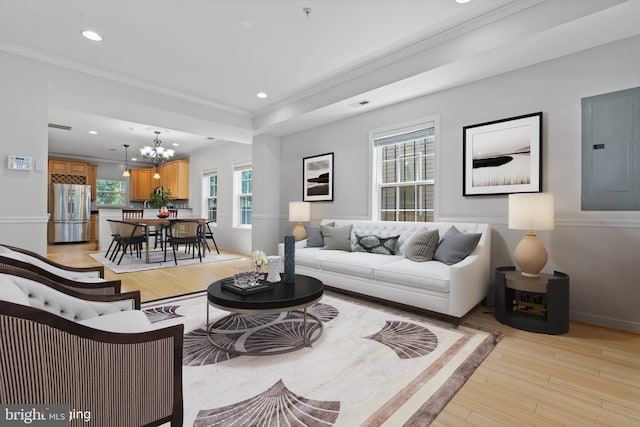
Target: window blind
[(404, 137)]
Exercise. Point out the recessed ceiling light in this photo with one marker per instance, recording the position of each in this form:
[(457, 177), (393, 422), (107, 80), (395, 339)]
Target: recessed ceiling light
[(462, 1), (261, 95), (93, 132), (92, 35), (175, 144), (134, 159)]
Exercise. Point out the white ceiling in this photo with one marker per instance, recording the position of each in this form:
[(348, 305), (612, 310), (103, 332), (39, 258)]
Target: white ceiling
[(314, 68)]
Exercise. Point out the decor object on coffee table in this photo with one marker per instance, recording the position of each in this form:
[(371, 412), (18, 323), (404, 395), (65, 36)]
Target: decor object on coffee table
[(299, 212), (533, 211), (289, 258), (274, 269)]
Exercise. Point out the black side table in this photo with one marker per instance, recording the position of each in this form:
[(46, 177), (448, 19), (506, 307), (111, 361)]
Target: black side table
[(533, 304)]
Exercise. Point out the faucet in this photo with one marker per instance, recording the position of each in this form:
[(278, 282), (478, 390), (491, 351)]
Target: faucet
[(145, 205)]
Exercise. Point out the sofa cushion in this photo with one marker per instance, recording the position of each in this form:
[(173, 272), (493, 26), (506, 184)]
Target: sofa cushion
[(429, 275), (11, 293), (338, 238), (129, 321), (360, 264), (315, 239), (375, 244), (313, 257), (455, 246), (422, 245)]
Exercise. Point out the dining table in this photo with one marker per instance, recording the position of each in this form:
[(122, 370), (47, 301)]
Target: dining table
[(163, 223)]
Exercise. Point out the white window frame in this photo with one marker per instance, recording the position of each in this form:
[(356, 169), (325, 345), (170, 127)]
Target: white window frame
[(376, 172), (206, 175), (238, 167)]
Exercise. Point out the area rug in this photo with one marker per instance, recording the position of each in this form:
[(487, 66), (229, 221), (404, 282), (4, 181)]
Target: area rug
[(370, 366), (131, 263)]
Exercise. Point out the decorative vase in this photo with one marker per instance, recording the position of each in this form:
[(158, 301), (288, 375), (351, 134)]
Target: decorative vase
[(274, 269), (259, 268), (289, 258)]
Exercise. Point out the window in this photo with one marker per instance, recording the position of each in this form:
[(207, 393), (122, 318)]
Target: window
[(405, 174), (110, 192), (243, 189), (210, 187)]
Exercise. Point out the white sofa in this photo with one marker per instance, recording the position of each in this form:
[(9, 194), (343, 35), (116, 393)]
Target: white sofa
[(450, 290)]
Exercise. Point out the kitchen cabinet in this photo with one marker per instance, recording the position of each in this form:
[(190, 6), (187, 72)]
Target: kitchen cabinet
[(93, 227), (62, 171), (175, 177), (93, 179), (142, 183)]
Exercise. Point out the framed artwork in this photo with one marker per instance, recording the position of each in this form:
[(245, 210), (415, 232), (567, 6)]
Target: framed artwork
[(503, 156), (317, 178)]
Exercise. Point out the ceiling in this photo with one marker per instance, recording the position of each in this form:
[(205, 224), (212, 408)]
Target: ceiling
[(314, 67)]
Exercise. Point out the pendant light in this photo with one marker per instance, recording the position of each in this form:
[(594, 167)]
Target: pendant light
[(126, 161)]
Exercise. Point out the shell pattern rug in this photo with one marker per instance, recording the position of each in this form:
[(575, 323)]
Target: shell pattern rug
[(371, 366)]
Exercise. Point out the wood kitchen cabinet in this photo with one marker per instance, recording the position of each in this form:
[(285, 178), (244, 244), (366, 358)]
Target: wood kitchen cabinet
[(62, 171), (141, 184), (93, 179), (175, 176)]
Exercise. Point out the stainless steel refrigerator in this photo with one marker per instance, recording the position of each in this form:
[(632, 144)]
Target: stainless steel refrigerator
[(69, 206)]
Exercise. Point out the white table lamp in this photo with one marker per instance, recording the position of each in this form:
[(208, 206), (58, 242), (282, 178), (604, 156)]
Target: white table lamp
[(531, 211), (299, 212)]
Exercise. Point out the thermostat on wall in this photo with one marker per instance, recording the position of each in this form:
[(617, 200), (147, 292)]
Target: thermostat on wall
[(23, 163)]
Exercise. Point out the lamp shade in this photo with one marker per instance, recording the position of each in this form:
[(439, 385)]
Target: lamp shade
[(299, 211), (531, 211)]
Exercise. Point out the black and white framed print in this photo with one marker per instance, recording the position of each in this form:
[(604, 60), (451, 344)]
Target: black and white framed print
[(503, 156), (317, 175)]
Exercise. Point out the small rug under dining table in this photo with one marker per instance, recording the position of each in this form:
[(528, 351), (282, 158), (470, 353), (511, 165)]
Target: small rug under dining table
[(131, 263), (371, 366)]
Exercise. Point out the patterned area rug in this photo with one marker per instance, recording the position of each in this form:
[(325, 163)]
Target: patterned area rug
[(131, 263), (369, 367)]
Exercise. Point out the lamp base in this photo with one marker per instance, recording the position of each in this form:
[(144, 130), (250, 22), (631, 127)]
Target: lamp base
[(530, 255), (299, 232)]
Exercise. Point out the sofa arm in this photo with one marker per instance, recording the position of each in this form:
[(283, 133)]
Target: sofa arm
[(94, 285), (119, 379), (60, 269)]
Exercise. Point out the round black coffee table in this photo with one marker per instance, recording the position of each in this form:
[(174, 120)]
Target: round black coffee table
[(282, 297)]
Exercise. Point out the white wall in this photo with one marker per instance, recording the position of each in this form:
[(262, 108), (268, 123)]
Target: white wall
[(220, 158), (23, 131), (598, 249)]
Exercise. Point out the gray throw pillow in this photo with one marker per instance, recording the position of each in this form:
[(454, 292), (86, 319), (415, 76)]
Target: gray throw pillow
[(376, 244), (455, 246), (314, 235), (422, 245), (338, 238)]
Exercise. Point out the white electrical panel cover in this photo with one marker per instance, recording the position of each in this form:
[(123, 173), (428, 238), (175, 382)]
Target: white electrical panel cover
[(20, 162)]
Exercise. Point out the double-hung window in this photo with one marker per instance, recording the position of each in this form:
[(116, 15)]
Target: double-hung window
[(111, 192), (243, 189), (210, 186), (404, 164)]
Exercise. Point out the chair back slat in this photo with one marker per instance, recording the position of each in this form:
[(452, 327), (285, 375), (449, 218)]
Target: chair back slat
[(132, 213)]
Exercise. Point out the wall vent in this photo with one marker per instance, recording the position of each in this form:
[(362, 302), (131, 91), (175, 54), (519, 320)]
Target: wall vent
[(56, 126)]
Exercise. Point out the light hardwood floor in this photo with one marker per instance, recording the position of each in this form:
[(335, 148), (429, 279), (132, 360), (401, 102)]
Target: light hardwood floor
[(587, 377)]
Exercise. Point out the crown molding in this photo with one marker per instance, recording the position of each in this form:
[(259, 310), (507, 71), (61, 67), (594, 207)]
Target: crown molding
[(115, 77)]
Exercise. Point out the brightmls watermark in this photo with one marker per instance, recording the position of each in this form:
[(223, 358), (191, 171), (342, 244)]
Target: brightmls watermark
[(41, 415)]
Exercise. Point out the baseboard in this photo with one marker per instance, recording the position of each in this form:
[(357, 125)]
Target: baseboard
[(607, 322)]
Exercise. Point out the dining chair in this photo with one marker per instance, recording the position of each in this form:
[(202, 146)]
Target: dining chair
[(208, 234), (114, 226), (184, 232), (131, 236), (132, 213)]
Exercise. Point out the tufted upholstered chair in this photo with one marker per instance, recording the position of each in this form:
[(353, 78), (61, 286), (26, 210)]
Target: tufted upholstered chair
[(97, 353)]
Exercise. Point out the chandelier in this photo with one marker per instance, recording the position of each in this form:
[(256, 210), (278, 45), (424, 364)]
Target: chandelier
[(156, 155)]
